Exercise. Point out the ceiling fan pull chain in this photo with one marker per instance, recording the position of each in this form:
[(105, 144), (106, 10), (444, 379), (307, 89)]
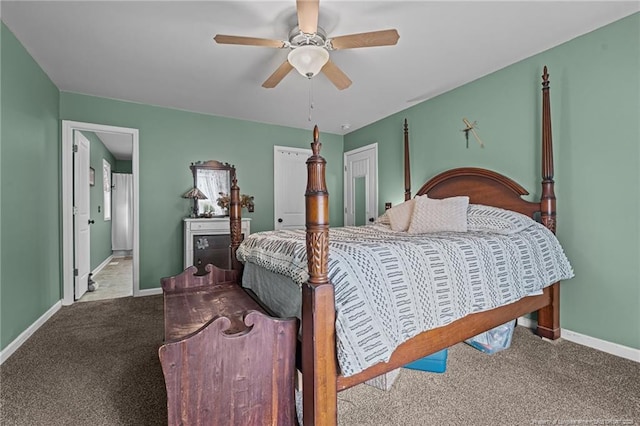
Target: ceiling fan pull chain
[(310, 97)]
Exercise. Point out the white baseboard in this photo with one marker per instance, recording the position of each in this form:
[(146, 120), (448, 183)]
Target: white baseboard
[(148, 292), (601, 345), (101, 266), (592, 342), (527, 322), (18, 341)]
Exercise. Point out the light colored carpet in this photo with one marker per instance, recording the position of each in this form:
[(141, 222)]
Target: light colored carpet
[(96, 363)]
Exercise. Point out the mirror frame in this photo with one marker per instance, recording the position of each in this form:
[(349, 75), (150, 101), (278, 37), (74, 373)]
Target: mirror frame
[(210, 165)]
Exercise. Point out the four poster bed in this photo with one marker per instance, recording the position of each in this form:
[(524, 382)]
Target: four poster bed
[(322, 377), (341, 345)]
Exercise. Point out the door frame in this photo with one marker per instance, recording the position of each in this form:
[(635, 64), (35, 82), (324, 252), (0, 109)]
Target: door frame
[(68, 128), (371, 188)]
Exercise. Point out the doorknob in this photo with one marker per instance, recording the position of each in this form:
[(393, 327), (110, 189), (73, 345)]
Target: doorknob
[(279, 220), (91, 222), (371, 219)]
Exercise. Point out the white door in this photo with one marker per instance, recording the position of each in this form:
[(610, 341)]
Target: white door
[(361, 185), (81, 217), (290, 184)]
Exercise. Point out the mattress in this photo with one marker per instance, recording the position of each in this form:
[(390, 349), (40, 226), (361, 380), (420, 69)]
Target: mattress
[(277, 292), (391, 286)]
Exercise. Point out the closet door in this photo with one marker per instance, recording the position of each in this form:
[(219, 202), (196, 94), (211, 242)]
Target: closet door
[(82, 219), (290, 184)]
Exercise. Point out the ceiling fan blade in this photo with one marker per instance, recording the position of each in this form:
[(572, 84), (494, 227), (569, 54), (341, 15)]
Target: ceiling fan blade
[(374, 38), (248, 41), (335, 74), (278, 75), (308, 15)]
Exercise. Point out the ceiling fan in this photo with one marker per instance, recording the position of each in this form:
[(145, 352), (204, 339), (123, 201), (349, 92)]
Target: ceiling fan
[(310, 46)]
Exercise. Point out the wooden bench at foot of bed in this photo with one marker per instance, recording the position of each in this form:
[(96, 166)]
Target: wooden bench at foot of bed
[(224, 360)]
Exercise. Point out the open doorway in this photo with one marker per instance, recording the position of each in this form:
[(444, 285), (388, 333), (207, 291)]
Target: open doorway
[(361, 185), (121, 143)]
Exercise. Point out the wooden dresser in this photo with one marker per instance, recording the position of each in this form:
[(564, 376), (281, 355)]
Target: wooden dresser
[(208, 240)]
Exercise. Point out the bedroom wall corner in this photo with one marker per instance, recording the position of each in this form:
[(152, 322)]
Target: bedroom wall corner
[(30, 278)]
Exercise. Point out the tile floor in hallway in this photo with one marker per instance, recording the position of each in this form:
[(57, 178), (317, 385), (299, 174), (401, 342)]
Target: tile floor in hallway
[(114, 280)]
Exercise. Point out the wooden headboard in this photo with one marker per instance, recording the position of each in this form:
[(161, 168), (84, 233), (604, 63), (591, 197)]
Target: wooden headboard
[(483, 187), (491, 188)]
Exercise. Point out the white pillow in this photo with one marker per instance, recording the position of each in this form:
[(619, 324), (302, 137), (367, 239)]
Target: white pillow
[(483, 218), (400, 215), (383, 218), (431, 215)]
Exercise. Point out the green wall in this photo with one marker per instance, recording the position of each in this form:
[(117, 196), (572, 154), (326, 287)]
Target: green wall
[(101, 229), (170, 140), (595, 106), (30, 174), (123, 166)]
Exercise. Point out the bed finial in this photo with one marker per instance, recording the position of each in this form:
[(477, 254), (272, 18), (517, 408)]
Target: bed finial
[(316, 145), (407, 171), (548, 199), (317, 214), (545, 78)]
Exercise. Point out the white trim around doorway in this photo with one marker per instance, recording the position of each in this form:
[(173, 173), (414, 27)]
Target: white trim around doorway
[(371, 152), (67, 202)]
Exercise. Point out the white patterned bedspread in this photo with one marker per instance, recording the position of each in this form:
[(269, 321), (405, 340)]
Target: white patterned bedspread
[(391, 286)]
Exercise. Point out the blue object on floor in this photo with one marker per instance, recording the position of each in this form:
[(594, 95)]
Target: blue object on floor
[(435, 363)]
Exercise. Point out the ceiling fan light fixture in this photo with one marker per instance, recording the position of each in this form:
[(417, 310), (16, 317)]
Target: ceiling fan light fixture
[(308, 59)]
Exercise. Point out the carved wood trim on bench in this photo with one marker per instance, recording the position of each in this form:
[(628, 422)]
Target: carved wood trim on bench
[(224, 360)]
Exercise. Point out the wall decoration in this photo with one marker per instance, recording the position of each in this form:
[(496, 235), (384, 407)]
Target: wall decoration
[(471, 127), (92, 176)]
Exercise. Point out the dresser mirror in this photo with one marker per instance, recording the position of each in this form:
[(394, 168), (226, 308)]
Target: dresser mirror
[(213, 179)]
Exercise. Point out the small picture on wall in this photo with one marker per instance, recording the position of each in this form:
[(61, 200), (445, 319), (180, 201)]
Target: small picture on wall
[(92, 176)]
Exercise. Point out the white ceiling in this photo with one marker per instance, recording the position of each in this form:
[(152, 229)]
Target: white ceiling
[(121, 146), (163, 53)]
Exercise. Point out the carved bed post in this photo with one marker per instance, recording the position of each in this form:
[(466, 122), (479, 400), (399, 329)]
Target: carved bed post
[(548, 199), (548, 317), (319, 363), (407, 171), (235, 223)]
